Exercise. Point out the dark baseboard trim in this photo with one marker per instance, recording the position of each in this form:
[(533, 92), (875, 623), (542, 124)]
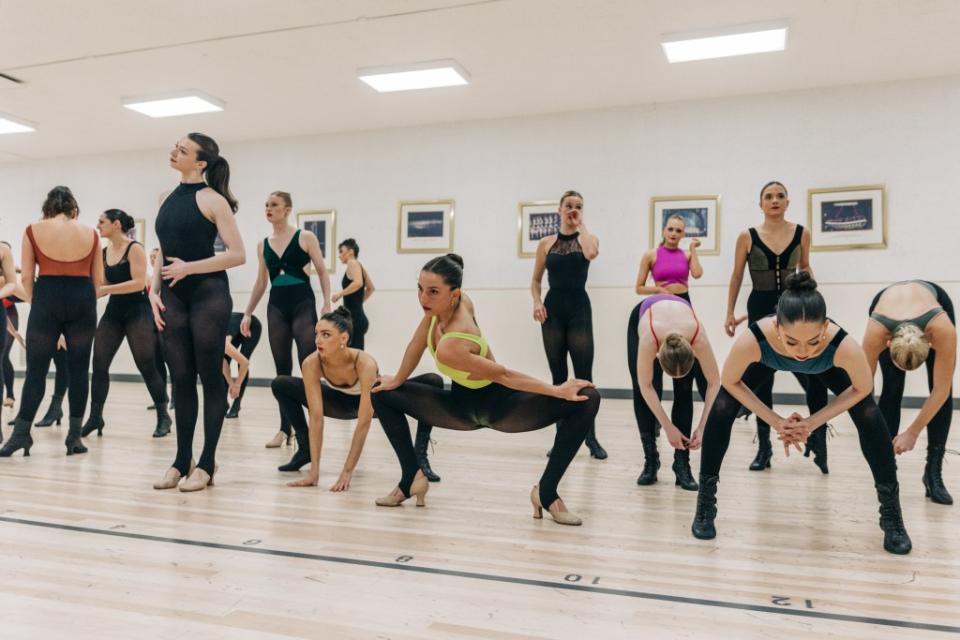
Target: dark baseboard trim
[(909, 402)]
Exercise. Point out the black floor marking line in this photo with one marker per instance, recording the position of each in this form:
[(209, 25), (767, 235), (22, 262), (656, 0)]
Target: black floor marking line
[(887, 622)]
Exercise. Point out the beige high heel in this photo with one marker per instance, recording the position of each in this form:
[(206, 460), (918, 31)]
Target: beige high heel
[(279, 439), (169, 480), (8, 402), (560, 517), (418, 487), (196, 482)]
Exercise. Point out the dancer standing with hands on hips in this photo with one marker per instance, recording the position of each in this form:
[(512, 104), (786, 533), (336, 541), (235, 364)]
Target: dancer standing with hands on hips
[(565, 315)]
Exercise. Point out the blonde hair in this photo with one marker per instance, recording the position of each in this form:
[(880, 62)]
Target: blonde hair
[(676, 356), (909, 347)]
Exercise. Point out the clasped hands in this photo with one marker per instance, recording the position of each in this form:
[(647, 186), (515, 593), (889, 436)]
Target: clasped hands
[(794, 431)]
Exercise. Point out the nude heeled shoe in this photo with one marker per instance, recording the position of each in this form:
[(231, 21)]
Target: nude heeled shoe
[(198, 480), (560, 517), (169, 480), (279, 439), (418, 488)]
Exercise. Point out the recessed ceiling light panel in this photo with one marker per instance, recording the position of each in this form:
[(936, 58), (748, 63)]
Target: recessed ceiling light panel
[(9, 124), (423, 75), (723, 43), (181, 104)]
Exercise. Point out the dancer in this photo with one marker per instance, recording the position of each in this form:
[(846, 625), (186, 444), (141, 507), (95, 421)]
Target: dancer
[(158, 356), (245, 344), (191, 301), (326, 389), (768, 272), (484, 393), (292, 307), (63, 301), (673, 341), (801, 339), (8, 286), (912, 323), (127, 315), (565, 315), (357, 288)]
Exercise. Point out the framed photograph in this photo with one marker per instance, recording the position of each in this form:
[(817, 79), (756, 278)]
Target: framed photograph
[(847, 218), (700, 213), (425, 226), (139, 231), (323, 224), (536, 220)]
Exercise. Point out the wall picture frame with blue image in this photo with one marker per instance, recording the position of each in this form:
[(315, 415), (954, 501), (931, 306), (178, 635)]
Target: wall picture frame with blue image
[(536, 220), (844, 218), (701, 216), (425, 226), (323, 224)]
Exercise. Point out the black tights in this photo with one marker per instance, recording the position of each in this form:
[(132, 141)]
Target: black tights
[(64, 305), (246, 346), (891, 396), (135, 322), (875, 441), (291, 395), (7, 341), (493, 406), (196, 318), (289, 323)]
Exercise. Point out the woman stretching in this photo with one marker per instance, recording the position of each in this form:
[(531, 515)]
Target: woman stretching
[(768, 272), (801, 339), (565, 315), (63, 301), (326, 389), (191, 301), (673, 340), (912, 323), (127, 315), (484, 393), (292, 307)]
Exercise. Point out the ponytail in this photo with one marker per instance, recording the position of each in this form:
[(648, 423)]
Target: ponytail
[(217, 173)]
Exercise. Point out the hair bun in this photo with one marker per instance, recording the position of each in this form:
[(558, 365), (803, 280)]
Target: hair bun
[(800, 281), (674, 340), (456, 258), (343, 311)]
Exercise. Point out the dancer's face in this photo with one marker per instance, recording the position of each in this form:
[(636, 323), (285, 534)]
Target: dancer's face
[(673, 233), (803, 340), (774, 201), (345, 253), (107, 228), (329, 339), (276, 209), (435, 295), (183, 156), (571, 210)]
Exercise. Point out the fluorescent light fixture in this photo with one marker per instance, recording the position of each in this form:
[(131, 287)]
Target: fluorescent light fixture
[(723, 43), (423, 75), (180, 104), (9, 124)]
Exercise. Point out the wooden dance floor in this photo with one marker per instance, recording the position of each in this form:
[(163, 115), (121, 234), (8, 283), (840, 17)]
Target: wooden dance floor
[(90, 550)]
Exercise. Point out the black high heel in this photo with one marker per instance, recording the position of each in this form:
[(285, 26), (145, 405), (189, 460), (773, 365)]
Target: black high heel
[(301, 456), (54, 413), (94, 423), (420, 448), (762, 460), (73, 442), (19, 439)]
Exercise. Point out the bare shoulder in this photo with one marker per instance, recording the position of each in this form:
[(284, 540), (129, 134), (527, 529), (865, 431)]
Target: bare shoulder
[(366, 364)]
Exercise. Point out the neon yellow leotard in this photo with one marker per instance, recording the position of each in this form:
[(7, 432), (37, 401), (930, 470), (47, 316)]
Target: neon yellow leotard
[(462, 378)]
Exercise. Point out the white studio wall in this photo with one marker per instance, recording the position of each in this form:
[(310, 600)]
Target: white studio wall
[(904, 135)]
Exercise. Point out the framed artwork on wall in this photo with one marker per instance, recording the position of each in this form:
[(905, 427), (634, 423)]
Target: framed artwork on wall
[(139, 231), (844, 218), (701, 215), (323, 224), (425, 226), (536, 220)]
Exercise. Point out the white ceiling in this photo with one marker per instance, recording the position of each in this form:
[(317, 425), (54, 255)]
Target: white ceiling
[(288, 67)]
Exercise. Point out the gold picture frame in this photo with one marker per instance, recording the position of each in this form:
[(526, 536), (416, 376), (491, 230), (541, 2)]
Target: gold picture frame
[(845, 218), (323, 224), (536, 219), (425, 226), (702, 216), (140, 230)]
